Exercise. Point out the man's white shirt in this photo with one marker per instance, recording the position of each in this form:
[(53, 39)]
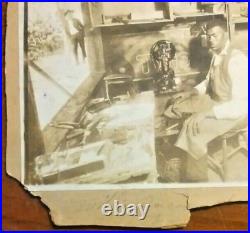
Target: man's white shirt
[(238, 72)]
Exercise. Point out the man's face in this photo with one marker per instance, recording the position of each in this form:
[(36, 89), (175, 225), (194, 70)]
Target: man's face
[(217, 38)]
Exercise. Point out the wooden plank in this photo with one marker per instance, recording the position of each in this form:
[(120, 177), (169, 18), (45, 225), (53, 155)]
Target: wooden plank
[(70, 112), (74, 171)]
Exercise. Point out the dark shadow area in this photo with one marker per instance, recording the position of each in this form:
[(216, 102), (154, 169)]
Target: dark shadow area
[(198, 55)]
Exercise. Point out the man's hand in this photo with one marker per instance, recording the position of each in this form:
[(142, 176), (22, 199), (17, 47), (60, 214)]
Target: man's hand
[(179, 97), (193, 122)]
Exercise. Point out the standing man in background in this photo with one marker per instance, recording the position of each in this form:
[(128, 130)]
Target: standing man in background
[(76, 34)]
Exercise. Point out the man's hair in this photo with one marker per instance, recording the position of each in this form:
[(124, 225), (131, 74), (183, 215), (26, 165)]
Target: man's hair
[(217, 23)]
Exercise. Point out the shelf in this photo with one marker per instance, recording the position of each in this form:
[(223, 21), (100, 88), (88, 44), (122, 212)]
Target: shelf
[(194, 15), (240, 19), (194, 73), (142, 79), (134, 23), (137, 22)]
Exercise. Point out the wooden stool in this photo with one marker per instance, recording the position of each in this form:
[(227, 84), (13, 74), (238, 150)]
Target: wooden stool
[(242, 144), (221, 166)]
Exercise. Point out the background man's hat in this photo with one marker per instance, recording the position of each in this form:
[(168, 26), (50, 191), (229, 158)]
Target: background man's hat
[(68, 12)]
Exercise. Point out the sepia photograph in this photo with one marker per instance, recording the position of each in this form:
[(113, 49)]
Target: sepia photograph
[(135, 93)]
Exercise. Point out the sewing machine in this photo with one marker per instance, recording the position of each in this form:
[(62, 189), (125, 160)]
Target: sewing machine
[(161, 54)]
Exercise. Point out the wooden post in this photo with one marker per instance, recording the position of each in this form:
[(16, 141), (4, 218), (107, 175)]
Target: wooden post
[(34, 137)]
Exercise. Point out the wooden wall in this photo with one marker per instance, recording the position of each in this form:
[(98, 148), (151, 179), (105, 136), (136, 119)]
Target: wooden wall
[(240, 37), (138, 10), (123, 43)]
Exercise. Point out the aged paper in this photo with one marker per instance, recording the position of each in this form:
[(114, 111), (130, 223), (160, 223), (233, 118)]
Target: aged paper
[(75, 179)]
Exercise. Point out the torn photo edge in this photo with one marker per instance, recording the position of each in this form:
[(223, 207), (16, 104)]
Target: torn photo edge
[(85, 186)]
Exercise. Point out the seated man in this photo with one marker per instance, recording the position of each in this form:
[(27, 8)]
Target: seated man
[(217, 104)]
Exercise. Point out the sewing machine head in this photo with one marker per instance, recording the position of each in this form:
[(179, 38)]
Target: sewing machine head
[(163, 49), (161, 53)]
